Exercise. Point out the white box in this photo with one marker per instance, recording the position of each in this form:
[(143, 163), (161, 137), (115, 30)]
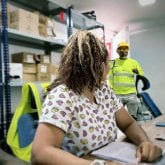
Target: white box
[(15, 72)]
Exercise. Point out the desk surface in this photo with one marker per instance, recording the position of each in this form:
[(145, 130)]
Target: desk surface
[(154, 131), (148, 126)]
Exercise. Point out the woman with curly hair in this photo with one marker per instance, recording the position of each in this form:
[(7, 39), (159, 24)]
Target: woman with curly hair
[(81, 113)]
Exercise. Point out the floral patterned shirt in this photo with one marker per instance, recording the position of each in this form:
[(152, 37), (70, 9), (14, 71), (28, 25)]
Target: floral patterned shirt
[(87, 125)]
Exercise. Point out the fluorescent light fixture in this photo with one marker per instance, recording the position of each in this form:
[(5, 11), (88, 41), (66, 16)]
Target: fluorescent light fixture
[(146, 2)]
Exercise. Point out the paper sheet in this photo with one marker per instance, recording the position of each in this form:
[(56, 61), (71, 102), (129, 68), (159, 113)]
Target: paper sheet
[(122, 152)]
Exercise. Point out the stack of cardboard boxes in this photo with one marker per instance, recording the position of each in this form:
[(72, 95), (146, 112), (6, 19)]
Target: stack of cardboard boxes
[(26, 66), (35, 67), (29, 22), (46, 26), (24, 21)]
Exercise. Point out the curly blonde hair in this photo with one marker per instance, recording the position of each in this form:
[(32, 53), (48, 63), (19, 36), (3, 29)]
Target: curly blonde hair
[(81, 62)]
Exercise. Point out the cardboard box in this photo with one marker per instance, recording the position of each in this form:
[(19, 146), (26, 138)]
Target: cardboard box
[(42, 30), (53, 69), (23, 57), (25, 21), (43, 19), (20, 15), (43, 77), (15, 73), (53, 72), (43, 59), (52, 77), (24, 27), (29, 68), (29, 77), (15, 70), (43, 68), (47, 26)]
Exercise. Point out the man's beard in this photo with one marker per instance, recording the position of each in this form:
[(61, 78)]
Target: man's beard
[(123, 55)]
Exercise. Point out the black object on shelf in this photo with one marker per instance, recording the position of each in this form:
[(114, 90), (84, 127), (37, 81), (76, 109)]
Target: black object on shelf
[(69, 21), (90, 14)]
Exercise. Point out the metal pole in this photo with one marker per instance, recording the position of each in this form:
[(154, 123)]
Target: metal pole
[(69, 21), (1, 94), (7, 95)]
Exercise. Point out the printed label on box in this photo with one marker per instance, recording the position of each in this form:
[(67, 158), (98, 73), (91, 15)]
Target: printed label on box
[(46, 60), (43, 69), (30, 59)]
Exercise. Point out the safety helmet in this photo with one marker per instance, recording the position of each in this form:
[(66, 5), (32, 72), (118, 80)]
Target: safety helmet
[(122, 44)]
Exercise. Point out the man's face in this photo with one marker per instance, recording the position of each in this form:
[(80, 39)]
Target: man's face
[(123, 52)]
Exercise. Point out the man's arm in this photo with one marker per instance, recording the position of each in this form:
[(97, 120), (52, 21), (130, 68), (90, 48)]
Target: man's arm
[(139, 69)]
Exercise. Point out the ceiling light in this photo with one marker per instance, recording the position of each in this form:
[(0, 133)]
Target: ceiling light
[(146, 2)]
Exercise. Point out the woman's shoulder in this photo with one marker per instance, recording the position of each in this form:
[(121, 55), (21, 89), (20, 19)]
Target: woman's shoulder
[(62, 91), (106, 88)]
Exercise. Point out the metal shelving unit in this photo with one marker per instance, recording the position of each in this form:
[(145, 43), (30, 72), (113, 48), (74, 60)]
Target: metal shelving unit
[(72, 19), (47, 8), (15, 37), (81, 21), (24, 39), (5, 114)]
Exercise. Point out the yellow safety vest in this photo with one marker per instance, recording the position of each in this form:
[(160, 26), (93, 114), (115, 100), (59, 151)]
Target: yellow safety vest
[(121, 76), (31, 93)]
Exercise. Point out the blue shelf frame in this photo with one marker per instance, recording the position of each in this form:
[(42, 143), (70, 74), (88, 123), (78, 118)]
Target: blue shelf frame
[(5, 97)]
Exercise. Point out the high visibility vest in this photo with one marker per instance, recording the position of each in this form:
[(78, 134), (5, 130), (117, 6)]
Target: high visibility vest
[(32, 93), (121, 76)]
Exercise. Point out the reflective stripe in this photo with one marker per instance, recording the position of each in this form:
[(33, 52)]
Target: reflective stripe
[(127, 95), (37, 93), (124, 84), (124, 74), (40, 90)]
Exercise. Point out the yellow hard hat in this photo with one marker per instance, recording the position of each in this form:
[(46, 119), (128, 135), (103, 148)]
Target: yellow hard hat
[(122, 44)]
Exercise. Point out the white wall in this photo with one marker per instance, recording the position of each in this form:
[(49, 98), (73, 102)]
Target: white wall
[(148, 47)]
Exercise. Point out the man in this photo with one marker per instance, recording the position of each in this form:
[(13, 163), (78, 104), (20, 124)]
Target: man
[(122, 78)]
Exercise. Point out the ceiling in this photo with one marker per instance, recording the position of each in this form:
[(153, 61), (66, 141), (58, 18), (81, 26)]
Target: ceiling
[(116, 14)]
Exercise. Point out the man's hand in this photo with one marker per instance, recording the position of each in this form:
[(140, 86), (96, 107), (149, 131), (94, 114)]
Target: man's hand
[(147, 152), (135, 71)]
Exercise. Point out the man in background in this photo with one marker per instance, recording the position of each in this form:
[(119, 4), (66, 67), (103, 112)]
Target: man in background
[(122, 77)]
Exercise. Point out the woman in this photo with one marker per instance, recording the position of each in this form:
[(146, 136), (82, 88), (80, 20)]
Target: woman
[(81, 113)]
